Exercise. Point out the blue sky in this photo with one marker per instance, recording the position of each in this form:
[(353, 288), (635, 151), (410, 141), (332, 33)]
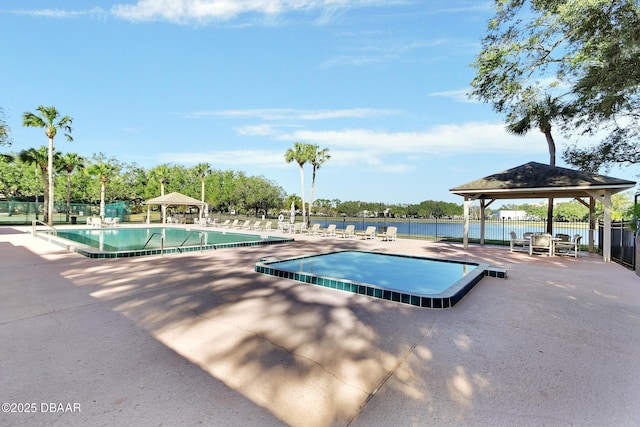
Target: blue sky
[(235, 83)]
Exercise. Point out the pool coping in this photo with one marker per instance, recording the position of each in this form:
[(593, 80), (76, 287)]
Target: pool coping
[(91, 252), (443, 300)]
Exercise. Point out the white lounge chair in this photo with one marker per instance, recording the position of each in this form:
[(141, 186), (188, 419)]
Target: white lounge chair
[(226, 224), (330, 231), (349, 231), (390, 234), (256, 226), (314, 230), (369, 233)]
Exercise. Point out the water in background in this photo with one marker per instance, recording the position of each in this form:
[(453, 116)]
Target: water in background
[(441, 229)]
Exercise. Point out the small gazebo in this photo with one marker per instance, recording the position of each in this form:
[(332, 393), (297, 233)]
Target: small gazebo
[(172, 199), (537, 181)]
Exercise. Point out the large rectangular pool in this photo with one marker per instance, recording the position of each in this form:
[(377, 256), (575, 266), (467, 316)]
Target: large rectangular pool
[(141, 241), (419, 281)]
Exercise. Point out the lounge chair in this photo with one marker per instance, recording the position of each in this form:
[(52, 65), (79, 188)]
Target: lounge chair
[(211, 222), (226, 224), (200, 221), (330, 231), (369, 233), (515, 241), (349, 231), (245, 224), (256, 226), (314, 230), (267, 226), (542, 243), (390, 234), (571, 247), (298, 227), (234, 224)]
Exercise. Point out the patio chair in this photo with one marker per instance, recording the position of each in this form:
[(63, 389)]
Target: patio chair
[(298, 227), (314, 230), (369, 233), (243, 225), (330, 231), (571, 247), (515, 241), (541, 243), (390, 234), (349, 231)]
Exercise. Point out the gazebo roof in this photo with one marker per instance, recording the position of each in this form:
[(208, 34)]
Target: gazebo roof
[(174, 198), (537, 180)]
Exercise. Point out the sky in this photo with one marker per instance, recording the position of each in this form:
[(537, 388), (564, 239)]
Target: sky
[(381, 83)]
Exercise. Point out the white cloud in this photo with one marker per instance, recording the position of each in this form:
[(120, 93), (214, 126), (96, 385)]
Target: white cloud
[(390, 152), (181, 11), (230, 158), (59, 13), (459, 95)]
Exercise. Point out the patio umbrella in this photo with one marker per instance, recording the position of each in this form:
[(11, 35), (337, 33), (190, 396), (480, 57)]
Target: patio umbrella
[(293, 212)]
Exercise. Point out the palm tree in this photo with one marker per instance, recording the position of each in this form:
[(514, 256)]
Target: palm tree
[(103, 171), (202, 170), (300, 153), (50, 120), (69, 162), (540, 115), (161, 173), (317, 159), (39, 159)]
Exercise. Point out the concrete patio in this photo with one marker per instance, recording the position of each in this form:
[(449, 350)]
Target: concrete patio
[(200, 338)]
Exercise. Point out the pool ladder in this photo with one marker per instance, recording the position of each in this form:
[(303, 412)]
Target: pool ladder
[(180, 245), (35, 223)]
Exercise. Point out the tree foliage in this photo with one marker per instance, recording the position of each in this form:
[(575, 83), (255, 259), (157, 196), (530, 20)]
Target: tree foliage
[(585, 51)]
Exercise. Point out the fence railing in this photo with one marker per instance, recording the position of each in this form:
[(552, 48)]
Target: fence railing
[(496, 231), (14, 213), (623, 242)]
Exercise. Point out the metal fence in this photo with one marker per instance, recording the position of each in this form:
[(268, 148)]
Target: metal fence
[(496, 231), (16, 213), (623, 242)]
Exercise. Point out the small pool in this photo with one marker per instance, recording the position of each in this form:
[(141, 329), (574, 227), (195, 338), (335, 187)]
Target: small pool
[(419, 281), (141, 241)]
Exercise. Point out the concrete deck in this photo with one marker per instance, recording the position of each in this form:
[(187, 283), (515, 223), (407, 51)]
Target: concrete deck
[(201, 338)]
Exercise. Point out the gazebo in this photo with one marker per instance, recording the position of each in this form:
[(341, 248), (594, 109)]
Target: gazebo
[(172, 199), (536, 181)]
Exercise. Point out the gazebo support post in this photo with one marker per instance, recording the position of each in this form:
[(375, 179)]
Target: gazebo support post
[(148, 214), (465, 236), (592, 224), (483, 207), (606, 240)]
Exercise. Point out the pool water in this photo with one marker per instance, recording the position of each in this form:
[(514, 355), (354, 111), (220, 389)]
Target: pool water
[(425, 282), (138, 241)]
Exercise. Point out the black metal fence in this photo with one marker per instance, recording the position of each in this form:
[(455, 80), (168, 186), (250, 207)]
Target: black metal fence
[(623, 242), (496, 231), (17, 213)]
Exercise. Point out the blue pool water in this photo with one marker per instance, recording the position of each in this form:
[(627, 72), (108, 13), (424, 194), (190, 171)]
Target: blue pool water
[(420, 281), (126, 242)]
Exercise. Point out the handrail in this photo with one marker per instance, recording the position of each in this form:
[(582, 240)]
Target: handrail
[(187, 238), (161, 242), (34, 224)]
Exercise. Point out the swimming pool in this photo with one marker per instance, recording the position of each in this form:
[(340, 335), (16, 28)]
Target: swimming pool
[(419, 281), (141, 241)]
